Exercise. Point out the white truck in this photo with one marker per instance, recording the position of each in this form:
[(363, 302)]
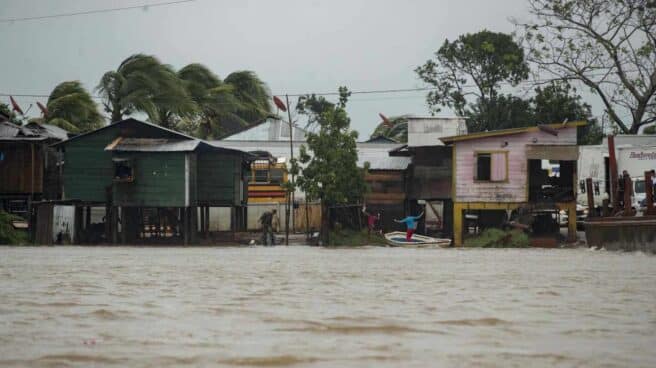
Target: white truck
[(593, 163)]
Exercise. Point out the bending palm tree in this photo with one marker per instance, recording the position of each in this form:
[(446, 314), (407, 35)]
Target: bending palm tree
[(143, 84), (71, 107), (223, 106)]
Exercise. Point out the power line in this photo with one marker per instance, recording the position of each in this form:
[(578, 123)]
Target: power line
[(142, 6)]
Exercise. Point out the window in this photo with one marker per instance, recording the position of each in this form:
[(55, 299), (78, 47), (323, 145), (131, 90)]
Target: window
[(491, 166), (277, 176), (123, 170), (261, 176), (596, 188), (582, 186), (483, 166)]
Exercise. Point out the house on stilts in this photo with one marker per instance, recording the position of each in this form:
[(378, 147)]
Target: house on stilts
[(154, 184), (506, 176)]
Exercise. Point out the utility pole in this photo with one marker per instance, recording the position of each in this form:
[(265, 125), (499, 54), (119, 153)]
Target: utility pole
[(290, 198)]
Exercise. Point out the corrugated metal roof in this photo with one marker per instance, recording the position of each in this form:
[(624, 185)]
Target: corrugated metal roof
[(127, 121), (55, 132), (377, 154), (12, 132), (152, 145)]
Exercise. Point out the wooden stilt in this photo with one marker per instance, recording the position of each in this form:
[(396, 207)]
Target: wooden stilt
[(114, 225), (207, 221), (186, 227), (87, 220), (77, 233)]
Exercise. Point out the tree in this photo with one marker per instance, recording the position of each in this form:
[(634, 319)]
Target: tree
[(222, 106), (253, 94), (467, 75), (650, 130), (502, 111), (71, 107), (607, 45), (143, 84), (558, 102), (396, 129), (331, 173)]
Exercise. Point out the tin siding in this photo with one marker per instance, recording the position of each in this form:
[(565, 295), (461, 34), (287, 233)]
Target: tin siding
[(216, 177), (514, 190), (88, 168), (159, 181)]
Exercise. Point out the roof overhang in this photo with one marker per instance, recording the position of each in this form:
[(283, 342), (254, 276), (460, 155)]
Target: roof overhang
[(551, 128), (552, 152)]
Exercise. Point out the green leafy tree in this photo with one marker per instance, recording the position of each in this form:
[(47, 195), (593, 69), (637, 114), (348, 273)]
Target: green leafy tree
[(143, 84), (607, 45), (223, 106), (502, 111), (557, 102), (395, 128), (71, 107), (468, 73), (330, 173)]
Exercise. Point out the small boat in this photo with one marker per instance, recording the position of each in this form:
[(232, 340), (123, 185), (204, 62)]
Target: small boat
[(397, 239)]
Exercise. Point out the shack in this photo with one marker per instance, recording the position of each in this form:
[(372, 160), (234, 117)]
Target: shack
[(429, 175), (502, 178), (155, 184), (387, 180), (28, 166)]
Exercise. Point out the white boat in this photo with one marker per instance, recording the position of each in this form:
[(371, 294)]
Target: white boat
[(397, 239)]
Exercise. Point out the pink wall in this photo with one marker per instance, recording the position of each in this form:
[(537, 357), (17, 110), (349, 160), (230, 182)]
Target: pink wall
[(514, 190)]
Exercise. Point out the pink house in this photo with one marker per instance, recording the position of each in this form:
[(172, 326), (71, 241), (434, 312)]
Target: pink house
[(526, 175)]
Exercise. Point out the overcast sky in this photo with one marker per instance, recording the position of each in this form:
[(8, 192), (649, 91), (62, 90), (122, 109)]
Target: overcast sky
[(294, 46)]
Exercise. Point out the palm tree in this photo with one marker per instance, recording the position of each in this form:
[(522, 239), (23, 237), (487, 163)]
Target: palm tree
[(241, 100), (143, 84), (253, 94), (71, 107), (395, 128)]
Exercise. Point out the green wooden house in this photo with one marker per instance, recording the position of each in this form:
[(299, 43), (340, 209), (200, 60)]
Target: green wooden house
[(154, 182)]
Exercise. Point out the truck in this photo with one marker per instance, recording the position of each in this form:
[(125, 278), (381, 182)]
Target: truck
[(593, 163)]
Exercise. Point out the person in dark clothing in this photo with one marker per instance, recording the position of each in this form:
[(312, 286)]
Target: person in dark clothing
[(267, 229)]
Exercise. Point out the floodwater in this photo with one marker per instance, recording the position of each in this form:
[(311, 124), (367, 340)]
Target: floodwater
[(312, 307)]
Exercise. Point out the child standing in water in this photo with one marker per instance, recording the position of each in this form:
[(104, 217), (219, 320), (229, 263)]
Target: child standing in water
[(411, 224)]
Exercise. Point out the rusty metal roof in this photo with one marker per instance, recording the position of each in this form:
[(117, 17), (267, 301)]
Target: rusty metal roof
[(152, 145), (12, 132)]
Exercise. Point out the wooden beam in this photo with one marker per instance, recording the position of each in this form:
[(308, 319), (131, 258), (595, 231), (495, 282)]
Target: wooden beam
[(588, 189)]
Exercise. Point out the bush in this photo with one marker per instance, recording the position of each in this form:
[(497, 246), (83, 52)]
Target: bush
[(9, 235), (354, 238), (497, 238)]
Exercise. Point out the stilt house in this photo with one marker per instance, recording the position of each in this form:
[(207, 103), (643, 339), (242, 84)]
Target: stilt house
[(155, 184), (507, 175)]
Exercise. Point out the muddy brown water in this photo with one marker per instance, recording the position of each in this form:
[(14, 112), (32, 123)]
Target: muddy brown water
[(304, 306)]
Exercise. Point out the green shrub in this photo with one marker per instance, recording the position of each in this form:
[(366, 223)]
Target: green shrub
[(497, 238), (9, 235), (346, 237)]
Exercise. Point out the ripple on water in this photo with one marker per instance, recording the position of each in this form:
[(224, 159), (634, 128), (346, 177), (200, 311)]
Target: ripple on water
[(270, 361)]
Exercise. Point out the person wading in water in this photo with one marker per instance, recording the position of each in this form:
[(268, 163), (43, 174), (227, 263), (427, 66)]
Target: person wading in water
[(371, 221), (411, 224), (267, 229)]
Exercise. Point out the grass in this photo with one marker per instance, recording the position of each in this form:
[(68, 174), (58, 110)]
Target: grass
[(9, 235), (497, 238), (354, 238)]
